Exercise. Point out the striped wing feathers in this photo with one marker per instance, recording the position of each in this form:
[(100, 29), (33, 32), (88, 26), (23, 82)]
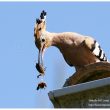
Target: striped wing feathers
[(95, 48)]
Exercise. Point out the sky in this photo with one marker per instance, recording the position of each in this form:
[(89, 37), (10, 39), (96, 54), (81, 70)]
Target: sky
[(18, 54)]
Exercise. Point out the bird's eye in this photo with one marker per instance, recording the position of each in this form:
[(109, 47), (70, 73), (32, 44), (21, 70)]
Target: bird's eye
[(43, 40), (39, 29)]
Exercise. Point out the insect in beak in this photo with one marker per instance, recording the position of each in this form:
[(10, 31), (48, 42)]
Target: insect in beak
[(41, 85), (40, 68)]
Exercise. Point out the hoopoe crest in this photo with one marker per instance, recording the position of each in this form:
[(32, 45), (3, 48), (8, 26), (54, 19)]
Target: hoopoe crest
[(39, 29)]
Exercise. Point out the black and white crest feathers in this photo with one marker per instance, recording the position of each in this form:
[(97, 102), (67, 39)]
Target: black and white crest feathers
[(43, 15), (38, 21)]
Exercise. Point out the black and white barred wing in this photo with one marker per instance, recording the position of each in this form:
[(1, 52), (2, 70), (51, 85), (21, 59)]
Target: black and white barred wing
[(95, 48)]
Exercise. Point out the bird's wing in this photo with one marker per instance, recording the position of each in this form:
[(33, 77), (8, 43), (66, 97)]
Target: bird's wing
[(95, 48)]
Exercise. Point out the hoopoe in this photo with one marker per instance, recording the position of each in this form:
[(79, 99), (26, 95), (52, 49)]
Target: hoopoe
[(77, 50)]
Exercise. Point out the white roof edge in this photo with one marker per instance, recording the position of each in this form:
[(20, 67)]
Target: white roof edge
[(79, 87)]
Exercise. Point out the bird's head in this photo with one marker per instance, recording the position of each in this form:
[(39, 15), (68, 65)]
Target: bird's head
[(41, 40)]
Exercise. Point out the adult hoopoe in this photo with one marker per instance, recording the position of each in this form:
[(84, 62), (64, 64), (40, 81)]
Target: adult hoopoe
[(77, 50)]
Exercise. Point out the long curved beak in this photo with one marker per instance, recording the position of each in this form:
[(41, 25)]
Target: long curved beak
[(40, 65), (41, 55)]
